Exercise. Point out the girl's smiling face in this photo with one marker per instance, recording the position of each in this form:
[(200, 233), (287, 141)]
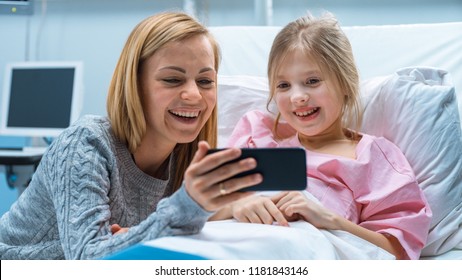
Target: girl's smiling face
[(306, 97), (179, 93)]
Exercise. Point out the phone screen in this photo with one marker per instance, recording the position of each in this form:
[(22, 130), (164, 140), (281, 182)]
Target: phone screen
[(281, 168)]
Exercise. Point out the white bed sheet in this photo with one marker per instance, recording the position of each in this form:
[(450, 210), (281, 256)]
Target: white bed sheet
[(229, 240)]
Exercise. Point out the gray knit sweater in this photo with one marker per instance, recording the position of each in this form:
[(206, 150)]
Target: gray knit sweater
[(86, 181)]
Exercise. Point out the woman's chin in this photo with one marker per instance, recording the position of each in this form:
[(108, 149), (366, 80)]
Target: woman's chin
[(184, 139)]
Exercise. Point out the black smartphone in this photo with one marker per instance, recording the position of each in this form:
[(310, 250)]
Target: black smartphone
[(281, 168)]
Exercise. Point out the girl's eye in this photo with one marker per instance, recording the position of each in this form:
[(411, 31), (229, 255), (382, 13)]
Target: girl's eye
[(282, 85), (312, 81)]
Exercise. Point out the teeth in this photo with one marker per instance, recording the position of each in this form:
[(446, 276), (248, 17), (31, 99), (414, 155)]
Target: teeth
[(306, 113), (185, 114)]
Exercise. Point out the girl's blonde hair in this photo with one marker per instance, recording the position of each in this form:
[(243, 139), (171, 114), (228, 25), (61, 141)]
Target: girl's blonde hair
[(124, 107), (321, 39)]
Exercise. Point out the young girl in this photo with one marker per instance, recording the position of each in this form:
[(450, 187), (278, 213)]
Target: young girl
[(364, 184)]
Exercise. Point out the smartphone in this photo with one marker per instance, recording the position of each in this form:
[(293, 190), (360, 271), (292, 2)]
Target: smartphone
[(281, 168)]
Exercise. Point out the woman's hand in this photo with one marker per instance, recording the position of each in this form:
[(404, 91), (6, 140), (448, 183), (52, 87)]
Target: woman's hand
[(208, 181), (117, 229)]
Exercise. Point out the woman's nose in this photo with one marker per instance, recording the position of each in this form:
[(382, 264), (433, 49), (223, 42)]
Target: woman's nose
[(191, 92)]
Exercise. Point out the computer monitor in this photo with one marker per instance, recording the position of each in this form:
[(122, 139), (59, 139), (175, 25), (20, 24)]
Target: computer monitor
[(41, 98)]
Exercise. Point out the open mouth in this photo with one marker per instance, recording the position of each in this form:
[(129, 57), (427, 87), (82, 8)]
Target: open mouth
[(307, 113), (185, 116)]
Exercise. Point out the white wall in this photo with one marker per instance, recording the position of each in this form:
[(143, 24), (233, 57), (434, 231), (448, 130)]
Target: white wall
[(94, 31)]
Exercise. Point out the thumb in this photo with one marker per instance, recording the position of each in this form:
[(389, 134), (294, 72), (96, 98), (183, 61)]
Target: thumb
[(202, 148)]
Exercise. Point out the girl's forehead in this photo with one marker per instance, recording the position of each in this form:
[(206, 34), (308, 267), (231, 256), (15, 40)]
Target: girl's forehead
[(299, 53), (298, 59)]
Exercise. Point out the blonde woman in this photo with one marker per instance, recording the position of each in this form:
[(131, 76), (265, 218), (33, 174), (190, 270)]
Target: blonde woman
[(143, 171)]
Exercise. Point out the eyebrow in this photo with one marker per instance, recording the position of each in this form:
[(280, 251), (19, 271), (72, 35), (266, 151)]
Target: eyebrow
[(179, 69), (306, 73), (313, 72)]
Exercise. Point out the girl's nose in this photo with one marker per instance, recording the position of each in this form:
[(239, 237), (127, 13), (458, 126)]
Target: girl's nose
[(299, 96)]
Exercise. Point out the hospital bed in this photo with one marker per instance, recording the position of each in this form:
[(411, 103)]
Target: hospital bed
[(411, 86)]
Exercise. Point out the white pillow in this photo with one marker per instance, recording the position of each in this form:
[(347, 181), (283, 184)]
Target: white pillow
[(415, 108), (236, 96)]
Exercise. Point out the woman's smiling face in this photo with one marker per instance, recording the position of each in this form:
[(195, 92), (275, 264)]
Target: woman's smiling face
[(178, 85)]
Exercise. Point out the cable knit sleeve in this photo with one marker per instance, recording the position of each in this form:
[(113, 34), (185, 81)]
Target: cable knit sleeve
[(79, 179)]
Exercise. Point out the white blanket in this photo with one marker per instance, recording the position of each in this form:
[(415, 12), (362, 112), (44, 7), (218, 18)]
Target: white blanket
[(230, 240)]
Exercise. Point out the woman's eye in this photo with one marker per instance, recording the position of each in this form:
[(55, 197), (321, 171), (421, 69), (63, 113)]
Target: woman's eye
[(171, 80), (205, 82)]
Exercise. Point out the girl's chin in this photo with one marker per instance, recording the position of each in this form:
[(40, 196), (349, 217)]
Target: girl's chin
[(306, 133)]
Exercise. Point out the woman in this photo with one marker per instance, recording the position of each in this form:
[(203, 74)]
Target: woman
[(144, 168)]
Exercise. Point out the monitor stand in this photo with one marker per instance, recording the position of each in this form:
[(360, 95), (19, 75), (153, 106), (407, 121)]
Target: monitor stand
[(21, 156), (20, 165)]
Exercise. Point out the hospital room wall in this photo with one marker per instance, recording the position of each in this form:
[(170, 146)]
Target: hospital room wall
[(93, 31)]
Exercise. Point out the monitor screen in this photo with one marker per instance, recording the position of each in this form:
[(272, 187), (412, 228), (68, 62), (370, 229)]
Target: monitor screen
[(40, 98)]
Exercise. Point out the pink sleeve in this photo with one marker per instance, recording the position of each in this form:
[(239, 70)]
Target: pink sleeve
[(392, 200), (255, 129)]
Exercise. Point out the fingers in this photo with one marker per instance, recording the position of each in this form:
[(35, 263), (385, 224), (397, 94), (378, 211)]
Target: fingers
[(287, 198), (278, 197), (293, 205), (202, 149), (115, 228), (223, 190), (210, 180), (294, 209), (260, 210), (276, 214), (219, 166), (222, 165), (220, 201), (232, 185), (205, 163)]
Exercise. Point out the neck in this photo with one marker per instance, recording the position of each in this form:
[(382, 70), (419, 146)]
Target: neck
[(153, 158), (319, 141), (332, 135)]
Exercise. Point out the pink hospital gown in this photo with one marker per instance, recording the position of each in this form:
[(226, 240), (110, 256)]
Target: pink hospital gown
[(377, 190)]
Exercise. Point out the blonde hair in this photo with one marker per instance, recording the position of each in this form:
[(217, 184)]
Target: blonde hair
[(322, 39), (124, 107)]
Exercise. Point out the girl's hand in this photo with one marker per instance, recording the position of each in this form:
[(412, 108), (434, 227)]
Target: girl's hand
[(208, 181), (296, 206), (257, 209)]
